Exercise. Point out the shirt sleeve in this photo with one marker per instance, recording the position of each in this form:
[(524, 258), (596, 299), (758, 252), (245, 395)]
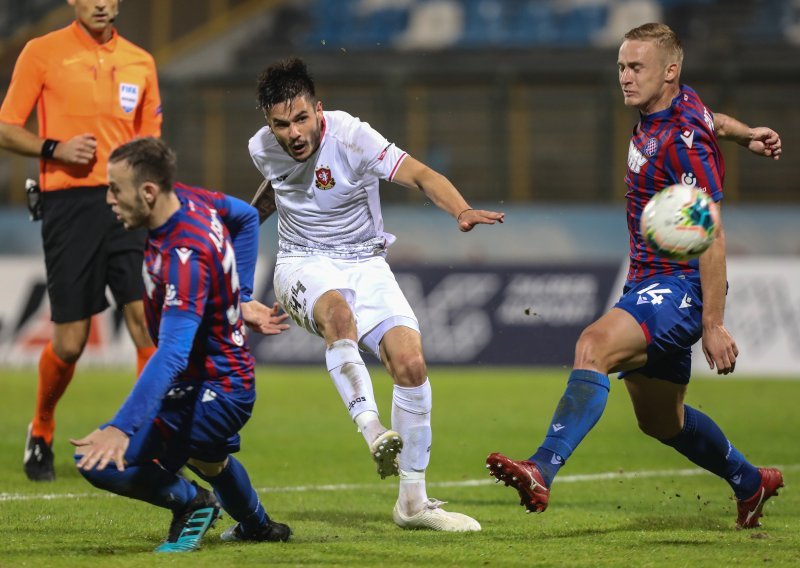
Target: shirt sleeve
[(150, 118), (175, 337), (26, 86), (241, 219), (373, 153)]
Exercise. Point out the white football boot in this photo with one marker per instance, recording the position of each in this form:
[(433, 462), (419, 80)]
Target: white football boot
[(433, 517), (385, 449)]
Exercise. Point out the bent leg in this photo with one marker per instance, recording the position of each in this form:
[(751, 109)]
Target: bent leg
[(334, 319), (234, 491), (142, 478), (662, 414)]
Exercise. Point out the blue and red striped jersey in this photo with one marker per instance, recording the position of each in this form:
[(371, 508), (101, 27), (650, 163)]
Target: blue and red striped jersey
[(190, 271), (675, 145)]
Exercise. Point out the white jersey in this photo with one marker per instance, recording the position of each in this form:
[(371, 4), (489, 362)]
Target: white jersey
[(329, 204)]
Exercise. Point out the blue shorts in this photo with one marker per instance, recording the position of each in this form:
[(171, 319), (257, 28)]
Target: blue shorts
[(669, 310), (198, 421)]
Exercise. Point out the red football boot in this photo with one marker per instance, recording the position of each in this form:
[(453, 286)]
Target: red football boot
[(522, 475), (750, 510)]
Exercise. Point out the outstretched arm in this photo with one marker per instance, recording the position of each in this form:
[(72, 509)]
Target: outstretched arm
[(264, 201), (760, 140), (416, 175)]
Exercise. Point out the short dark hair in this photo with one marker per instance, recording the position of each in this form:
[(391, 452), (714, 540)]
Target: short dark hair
[(150, 159), (283, 81)]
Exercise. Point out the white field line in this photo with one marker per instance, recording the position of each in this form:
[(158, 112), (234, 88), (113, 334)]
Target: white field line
[(577, 478)]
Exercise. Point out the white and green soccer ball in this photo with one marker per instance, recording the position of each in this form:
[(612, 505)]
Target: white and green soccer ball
[(680, 222)]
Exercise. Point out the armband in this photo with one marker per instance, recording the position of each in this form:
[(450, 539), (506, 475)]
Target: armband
[(49, 148)]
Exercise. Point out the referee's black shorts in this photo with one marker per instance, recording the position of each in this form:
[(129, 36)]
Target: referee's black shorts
[(85, 249)]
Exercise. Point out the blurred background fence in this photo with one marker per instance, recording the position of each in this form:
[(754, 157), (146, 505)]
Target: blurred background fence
[(516, 101)]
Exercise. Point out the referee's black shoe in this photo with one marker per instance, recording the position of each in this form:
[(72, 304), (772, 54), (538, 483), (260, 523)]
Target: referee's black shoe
[(38, 458)]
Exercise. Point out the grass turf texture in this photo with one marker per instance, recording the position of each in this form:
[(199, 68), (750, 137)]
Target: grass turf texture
[(300, 438)]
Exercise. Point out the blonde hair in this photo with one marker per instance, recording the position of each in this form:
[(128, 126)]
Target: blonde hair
[(663, 36)]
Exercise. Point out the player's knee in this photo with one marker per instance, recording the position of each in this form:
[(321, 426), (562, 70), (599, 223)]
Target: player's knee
[(592, 349), (89, 475), (659, 429), (335, 321), (409, 369), (69, 349)]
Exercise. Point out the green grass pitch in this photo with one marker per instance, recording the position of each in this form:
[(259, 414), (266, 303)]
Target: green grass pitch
[(622, 500)]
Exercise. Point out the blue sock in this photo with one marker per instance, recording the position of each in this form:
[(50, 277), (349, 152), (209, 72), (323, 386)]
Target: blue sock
[(702, 441), (577, 412), (237, 496), (146, 482)]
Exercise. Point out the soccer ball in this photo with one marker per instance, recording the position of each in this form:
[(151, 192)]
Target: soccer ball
[(680, 222)]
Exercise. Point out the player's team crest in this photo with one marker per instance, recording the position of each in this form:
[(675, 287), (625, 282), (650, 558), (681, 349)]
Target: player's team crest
[(651, 147), (128, 96), (324, 178)]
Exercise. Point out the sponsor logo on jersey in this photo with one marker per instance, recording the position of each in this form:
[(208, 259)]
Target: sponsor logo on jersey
[(687, 178), (128, 96), (171, 296), (324, 178), (635, 158), (651, 147), (382, 155)]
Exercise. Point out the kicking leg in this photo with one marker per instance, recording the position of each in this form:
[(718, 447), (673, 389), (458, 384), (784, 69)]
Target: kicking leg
[(334, 318), (612, 343)]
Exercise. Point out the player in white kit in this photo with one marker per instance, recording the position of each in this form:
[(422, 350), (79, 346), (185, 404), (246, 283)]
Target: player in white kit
[(321, 172)]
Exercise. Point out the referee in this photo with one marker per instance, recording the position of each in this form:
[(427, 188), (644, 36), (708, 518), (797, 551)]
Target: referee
[(93, 91)]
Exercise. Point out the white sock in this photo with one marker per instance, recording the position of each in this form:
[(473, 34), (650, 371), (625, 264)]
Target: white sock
[(412, 495), (411, 418), (351, 379), (369, 424)]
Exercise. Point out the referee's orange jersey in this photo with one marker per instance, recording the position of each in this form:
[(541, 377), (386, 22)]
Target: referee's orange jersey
[(80, 86)]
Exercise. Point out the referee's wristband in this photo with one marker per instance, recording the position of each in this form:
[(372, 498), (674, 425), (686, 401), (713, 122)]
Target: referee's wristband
[(49, 148)]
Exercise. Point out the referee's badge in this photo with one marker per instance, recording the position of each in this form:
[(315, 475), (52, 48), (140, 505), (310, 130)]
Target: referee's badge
[(324, 178), (128, 96)]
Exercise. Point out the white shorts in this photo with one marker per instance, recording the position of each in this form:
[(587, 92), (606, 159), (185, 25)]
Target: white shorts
[(368, 286)]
